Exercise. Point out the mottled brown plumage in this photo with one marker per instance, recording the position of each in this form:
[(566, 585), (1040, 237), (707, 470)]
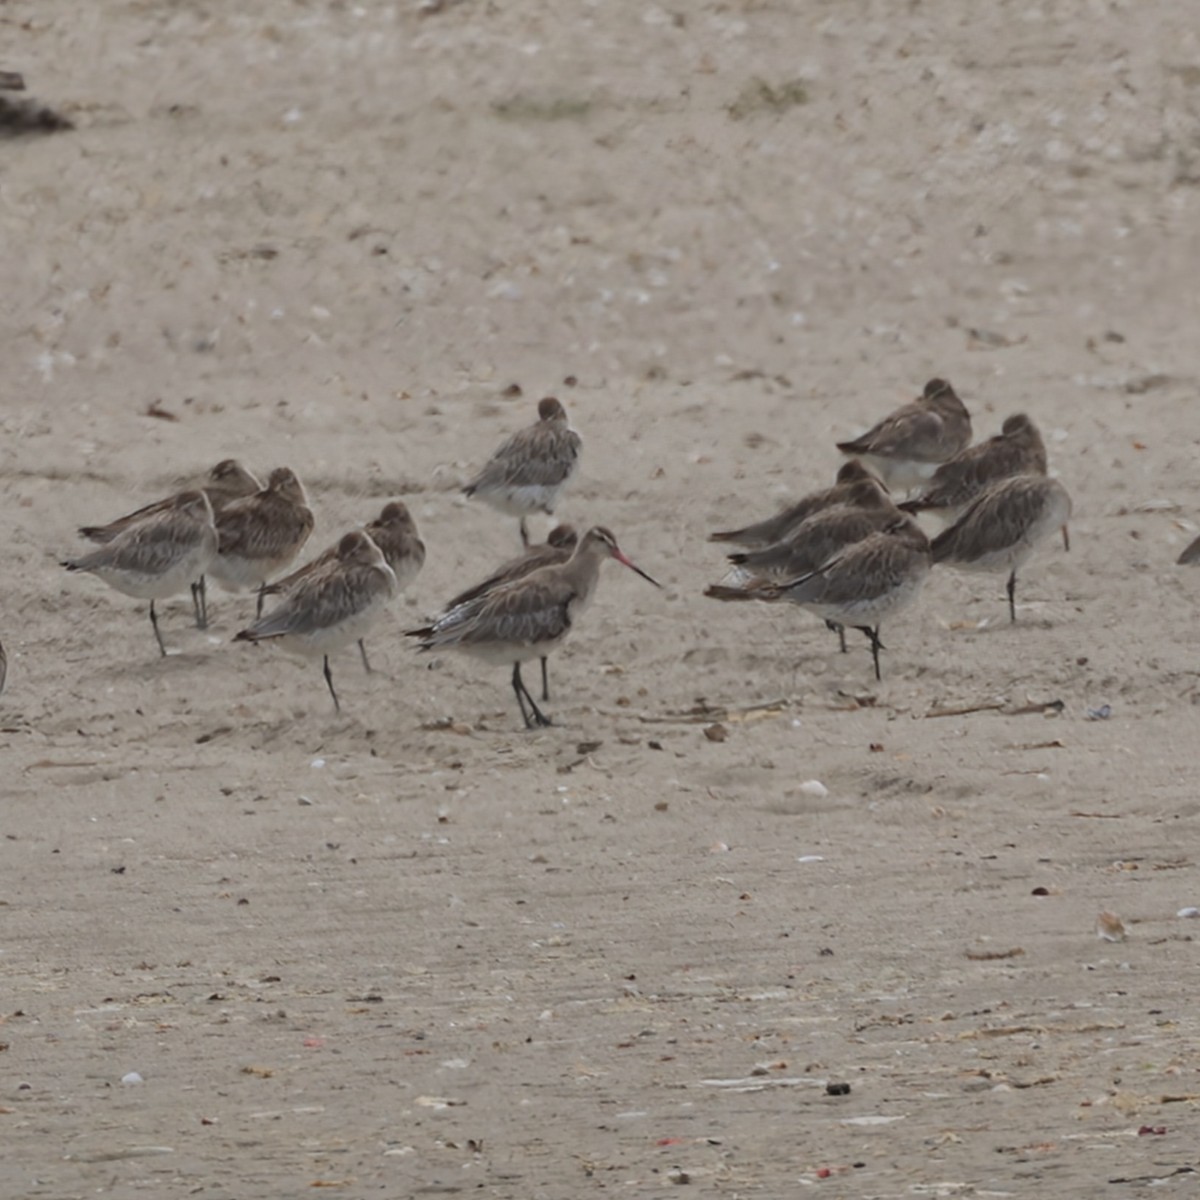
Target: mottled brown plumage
[(530, 470), (158, 556), (395, 533), (528, 617), (1017, 449), (332, 605), (556, 549), (224, 483), (907, 446), (259, 536), (867, 582), (1001, 528), (775, 529)]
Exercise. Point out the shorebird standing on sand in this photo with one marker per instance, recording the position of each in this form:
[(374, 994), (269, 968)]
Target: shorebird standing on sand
[(226, 482), (775, 529), (529, 617), (1003, 526), (866, 509), (259, 536), (1017, 449), (556, 549), (868, 582), (529, 472), (332, 606), (907, 446), (395, 533), (159, 556)]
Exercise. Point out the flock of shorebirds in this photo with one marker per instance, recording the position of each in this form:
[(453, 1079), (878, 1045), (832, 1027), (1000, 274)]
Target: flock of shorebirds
[(853, 554)]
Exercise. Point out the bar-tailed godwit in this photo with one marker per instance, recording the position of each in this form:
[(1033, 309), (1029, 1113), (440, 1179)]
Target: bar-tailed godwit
[(330, 607), (556, 549), (529, 472), (1001, 528), (866, 509), (395, 533), (224, 483), (775, 529), (907, 446), (529, 617), (259, 536), (159, 556), (1017, 449), (867, 583)]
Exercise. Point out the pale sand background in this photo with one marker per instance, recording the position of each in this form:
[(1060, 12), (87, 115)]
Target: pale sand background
[(331, 236)]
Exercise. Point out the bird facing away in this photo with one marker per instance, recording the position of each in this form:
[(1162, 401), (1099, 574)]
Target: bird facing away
[(867, 583), (907, 446), (331, 606), (1002, 527), (259, 536), (529, 472), (159, 556), (395, 533), (528, 617), (556, 549), (775, 529), (225, 482), (1190, 555), (1017, 449), (867, 508)]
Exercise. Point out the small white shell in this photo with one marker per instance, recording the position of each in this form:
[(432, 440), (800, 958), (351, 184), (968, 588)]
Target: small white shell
[(813, 787)]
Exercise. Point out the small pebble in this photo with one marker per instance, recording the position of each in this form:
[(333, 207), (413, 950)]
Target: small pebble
[(1190, 911), (814, 787), (132, 1077), (837, 1089), (1110, 927)]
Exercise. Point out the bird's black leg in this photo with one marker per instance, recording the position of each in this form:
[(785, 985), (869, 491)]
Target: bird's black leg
[(362, 649), (524, 534), (876, 645), (545, 681), (840, 630), (262, 598), (329, 680), (535, 715), (154, 622), (516, 682), (200, 603), (1012, 596)]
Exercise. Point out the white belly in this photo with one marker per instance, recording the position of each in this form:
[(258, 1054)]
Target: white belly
[(901, 475), (319, 642), (873, 610), (522, 500), (178, 578)]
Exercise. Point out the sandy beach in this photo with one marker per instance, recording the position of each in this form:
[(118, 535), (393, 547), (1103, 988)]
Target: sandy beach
[(250, 947)]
